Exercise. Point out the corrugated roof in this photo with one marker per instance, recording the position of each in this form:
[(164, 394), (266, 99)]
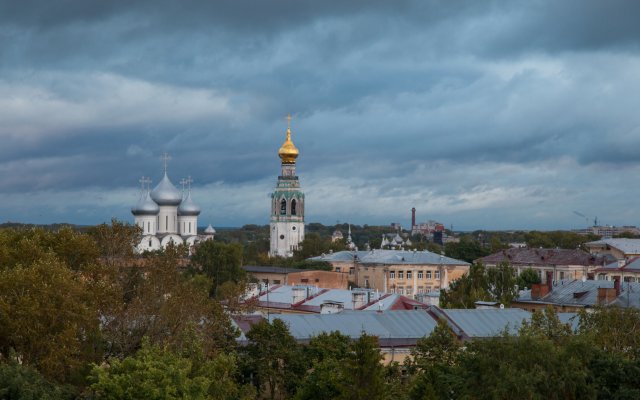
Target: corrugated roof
[(390, 257), (526, 256), (627, 246), (585, 293), (483, 323), (411, 325)]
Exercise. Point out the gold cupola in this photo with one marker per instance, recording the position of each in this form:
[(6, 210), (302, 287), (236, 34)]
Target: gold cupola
[(288, 151)]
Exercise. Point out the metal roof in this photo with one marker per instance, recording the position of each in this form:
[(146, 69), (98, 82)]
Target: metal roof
[(271, 269), (526, 256), (585, 293), (631, 265), (483, 323), (390, 257), (627, 246), (408, 326)]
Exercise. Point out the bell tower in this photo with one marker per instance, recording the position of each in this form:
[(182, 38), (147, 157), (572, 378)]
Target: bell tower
[(287, 203)]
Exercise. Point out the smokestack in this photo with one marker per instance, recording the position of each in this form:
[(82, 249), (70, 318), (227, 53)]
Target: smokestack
[(616, 285), (413, 217), (550, 280)]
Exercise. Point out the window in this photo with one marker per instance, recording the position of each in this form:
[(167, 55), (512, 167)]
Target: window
[(337, 269), (352, 271), (561, 275), (428, 274), (150, 243), (304, 280), (408, 274), (392, 275), (437, 274), (400, 290), (420, 289), (420, 274), (189, 227), (366, 283), (293, 207), (276, 281), (166, 223), (283, 207), (409, 290), (400, 274)]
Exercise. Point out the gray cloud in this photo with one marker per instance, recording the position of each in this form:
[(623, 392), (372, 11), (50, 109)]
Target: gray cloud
[(484, 113)]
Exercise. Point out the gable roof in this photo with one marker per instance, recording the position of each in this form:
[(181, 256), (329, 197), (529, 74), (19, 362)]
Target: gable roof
[(528, 256), (585, 294)]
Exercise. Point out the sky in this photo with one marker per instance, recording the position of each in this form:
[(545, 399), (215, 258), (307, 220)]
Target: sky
[(481, 114)]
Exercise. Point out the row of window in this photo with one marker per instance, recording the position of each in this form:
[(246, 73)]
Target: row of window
[(283, 207), (421, 274), (409, 290)]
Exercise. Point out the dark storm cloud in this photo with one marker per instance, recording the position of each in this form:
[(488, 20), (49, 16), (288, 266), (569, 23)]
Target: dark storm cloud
[(510, 95)]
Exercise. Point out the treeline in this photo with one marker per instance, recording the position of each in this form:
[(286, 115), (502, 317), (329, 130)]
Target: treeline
[(82, 317)]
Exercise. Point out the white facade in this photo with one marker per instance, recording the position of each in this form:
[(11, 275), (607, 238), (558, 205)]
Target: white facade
[(287, 205), (166, 215)]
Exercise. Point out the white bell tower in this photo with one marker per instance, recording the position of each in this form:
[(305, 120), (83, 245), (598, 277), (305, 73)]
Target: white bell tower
[(287, 204)]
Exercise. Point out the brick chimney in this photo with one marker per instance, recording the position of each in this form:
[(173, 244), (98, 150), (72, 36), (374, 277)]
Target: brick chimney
[(616, 285), (413, 217), (549, 280)]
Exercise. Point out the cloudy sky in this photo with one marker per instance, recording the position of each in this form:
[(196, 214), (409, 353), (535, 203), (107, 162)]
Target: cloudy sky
[(481, 114)]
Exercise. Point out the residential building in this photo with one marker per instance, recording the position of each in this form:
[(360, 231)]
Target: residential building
[(616, 248), (291, 276), (404, 272), (627, 270), (564, 264)]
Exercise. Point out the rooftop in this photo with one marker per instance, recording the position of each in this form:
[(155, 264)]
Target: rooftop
[(270, 269), (627, 246), (527, 256), (390, 257), (585, 294)]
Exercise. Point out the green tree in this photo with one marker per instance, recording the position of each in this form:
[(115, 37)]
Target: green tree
[(116, 242), (527, 278), (18, 382), (221, 262), (273, 360), (434, 360), (467, 250), (363, 374), (326, 353), (49, 315), (546, 324), (465, 291), (502, 283), (613, 330), (155, 372)]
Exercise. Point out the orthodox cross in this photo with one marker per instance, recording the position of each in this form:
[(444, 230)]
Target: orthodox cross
[(165, 160), (142, 181), (289, 121), (189, 181), (148, 182), (183, 182)]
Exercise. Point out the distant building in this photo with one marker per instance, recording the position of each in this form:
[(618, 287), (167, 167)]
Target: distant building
[(564, 264), (337, 235), (292, 276), (431, 229), (616, 248), (626, 270), (403, 272), (608, 231), (166, 215)]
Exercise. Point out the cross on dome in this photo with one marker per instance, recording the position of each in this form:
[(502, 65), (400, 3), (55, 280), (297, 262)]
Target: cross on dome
[(165, 160)]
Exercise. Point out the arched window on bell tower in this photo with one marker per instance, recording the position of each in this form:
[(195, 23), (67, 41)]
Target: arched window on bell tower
[(283, 207), (293, 207)]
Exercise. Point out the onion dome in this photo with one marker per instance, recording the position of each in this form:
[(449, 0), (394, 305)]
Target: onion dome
[(165, 194), (398, 239), (145, 206), (209, 230), (288, 151), (188, 207)]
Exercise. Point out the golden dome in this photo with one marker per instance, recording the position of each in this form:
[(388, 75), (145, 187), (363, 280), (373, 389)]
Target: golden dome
[(288, 151)]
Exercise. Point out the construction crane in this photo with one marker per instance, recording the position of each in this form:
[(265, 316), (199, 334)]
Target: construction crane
[(595, 219)]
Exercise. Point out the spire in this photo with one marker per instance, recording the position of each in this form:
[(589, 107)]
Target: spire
[(288, 151)]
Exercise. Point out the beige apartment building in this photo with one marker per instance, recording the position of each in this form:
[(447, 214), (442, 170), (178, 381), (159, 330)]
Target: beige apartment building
[(405, 272)]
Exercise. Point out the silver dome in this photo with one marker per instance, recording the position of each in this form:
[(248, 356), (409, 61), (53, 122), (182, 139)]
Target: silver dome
[(165, 194), (209, 230), (145, 206), (188, 207)]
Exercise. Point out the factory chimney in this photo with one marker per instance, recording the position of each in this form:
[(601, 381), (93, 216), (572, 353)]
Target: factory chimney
[(413, 217)]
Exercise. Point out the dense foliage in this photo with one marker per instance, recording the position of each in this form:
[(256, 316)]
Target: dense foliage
[(82, 317)]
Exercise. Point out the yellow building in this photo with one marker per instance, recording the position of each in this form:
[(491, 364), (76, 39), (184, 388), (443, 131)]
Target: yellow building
[(405, 272)]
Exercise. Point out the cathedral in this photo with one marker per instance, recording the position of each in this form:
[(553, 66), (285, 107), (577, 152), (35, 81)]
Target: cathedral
[(287, 203), (167, 215)]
